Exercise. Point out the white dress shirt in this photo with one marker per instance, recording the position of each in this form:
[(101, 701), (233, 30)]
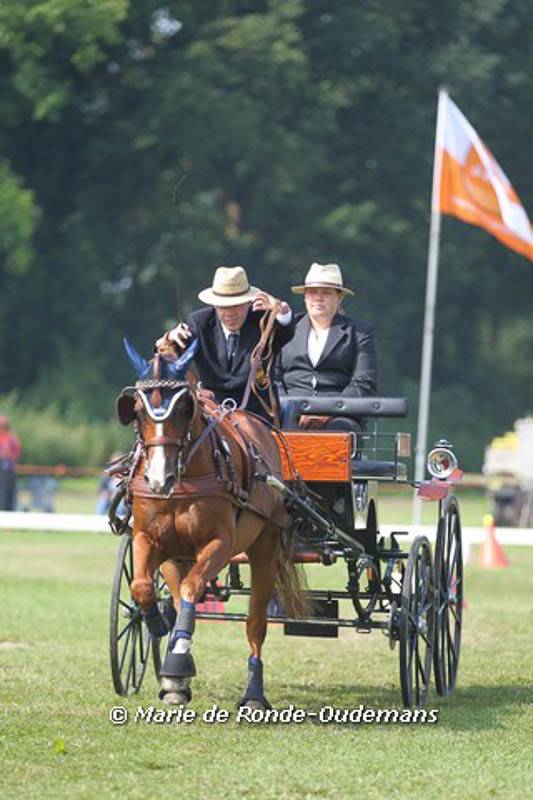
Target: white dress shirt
[(316, 343)]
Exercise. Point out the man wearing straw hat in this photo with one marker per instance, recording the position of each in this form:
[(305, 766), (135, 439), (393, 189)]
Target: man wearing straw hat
[(329, 354), (228, 331)]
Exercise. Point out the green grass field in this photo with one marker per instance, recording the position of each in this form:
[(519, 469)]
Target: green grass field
[(56, 740)]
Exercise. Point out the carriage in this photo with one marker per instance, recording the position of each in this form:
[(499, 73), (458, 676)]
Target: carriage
[(330, 484)]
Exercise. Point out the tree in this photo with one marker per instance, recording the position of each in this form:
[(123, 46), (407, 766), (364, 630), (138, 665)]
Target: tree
[(143, 146)]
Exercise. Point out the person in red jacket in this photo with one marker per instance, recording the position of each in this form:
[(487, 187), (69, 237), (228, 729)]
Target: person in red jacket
[(9, 455)]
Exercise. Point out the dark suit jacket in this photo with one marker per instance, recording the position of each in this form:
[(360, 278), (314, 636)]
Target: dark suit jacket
[(347, 366), (211, 358)]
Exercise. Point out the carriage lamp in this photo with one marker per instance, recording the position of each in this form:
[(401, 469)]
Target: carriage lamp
[(441, 461)]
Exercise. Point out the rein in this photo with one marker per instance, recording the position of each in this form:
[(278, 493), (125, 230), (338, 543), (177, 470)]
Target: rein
[(257, 382)]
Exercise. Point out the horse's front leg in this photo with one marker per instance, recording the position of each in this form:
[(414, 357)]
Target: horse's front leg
[(146, 559), (263, 557), (178, 667)]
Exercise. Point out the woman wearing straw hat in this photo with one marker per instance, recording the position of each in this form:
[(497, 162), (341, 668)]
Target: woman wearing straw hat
[(228, 331), (329, 354)]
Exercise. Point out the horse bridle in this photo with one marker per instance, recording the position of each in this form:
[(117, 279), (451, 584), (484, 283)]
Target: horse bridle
[(184, 440), (185, 446)]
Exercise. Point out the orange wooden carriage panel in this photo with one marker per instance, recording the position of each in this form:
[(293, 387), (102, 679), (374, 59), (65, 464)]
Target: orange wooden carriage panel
[(317, 455)]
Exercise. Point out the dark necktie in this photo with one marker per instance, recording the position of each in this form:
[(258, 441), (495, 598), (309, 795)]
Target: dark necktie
[(233, 339)]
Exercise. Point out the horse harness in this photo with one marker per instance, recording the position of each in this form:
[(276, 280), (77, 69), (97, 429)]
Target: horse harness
[(223, 482)]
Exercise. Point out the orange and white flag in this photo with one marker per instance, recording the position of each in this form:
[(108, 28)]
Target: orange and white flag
[(473, 187)]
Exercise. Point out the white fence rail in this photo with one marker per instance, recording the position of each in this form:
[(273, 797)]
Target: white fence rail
[(39, 521), (95, 523)]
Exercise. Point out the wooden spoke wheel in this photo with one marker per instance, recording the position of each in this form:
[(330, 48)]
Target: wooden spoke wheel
[(416, 623), (449, 596), (129, 640)]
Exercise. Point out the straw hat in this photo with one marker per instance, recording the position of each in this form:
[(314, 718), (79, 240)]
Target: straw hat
[(230, 288), (327, 275)]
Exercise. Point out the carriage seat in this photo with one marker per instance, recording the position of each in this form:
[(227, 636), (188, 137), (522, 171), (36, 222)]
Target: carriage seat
[(337, 456), (356, 408)]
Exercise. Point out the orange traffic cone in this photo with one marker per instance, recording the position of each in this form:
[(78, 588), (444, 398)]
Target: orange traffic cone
[(491, 553)]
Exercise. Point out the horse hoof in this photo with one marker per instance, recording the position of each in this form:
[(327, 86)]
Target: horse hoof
[(175, 691), (176, 698), (257, 705)]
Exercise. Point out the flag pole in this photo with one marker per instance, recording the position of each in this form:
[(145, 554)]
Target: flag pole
[(429, 313)]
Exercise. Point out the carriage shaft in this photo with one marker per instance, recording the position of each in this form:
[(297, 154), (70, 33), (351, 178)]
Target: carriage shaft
[(339, 623), (324, 594), (321, 522)]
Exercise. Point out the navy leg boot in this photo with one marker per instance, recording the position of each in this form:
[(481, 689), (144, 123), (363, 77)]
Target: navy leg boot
[(179, 662), (254, 696)]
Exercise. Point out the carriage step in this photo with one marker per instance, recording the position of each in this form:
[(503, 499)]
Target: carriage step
[(322, 609)]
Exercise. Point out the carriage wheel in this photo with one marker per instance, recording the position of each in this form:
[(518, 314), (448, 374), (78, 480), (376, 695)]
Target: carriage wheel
[(129, 640), (417, 615), (449, 596), (163, 597), (368, 582)]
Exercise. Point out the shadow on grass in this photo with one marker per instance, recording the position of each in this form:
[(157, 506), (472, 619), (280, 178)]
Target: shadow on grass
[(469, 708), (479, 707)]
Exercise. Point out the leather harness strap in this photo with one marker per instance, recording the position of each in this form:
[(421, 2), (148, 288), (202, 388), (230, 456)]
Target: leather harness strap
[(247, 477), (198, 487), (192, 488), (157, 440), (207, 431)]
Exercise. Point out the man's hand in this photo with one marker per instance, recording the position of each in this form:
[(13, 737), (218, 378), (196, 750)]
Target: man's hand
[(180, 335), (264, 302), (166, 348), (205, 394)]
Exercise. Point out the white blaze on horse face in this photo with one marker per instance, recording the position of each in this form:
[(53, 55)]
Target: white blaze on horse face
[(158, 469)]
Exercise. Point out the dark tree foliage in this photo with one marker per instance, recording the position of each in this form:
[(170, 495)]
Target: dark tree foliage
[(142, 145)]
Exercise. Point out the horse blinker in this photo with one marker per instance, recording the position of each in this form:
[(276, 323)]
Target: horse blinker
[(125, 406)]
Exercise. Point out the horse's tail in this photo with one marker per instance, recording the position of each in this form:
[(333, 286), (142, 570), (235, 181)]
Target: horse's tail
[(291, 583)]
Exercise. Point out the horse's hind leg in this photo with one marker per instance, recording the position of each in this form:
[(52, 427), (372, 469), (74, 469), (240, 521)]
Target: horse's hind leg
[(263, 557), (173, 573)]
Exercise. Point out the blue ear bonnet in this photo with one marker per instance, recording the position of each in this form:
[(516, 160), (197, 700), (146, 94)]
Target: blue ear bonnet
[(142, 367), (170, 370), (178, 369)]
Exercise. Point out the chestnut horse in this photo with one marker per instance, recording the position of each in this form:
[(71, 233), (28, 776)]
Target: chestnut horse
[(199, 498)]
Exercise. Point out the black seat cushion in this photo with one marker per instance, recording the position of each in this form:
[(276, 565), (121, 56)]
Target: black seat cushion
[(378, 469)]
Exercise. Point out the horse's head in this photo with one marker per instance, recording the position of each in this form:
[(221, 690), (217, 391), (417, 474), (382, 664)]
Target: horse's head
[(164, 406)]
